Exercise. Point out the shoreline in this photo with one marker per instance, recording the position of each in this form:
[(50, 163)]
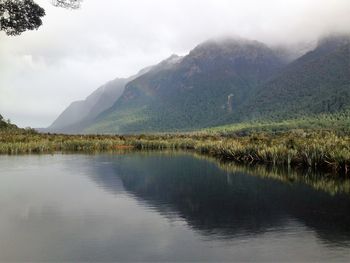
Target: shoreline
[(320, 151)]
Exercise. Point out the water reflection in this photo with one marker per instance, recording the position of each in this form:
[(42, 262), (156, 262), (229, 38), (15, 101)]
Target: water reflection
[(222, 204), (165, 207)]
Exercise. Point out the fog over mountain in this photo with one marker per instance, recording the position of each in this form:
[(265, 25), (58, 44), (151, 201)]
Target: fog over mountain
[(74, 52)]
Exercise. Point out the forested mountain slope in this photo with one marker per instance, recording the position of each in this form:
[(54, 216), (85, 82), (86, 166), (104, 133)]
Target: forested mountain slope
[(195, 91), (227, 81), (318, 82)]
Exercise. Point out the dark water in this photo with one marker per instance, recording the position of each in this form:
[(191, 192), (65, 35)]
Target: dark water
[(162, 207)]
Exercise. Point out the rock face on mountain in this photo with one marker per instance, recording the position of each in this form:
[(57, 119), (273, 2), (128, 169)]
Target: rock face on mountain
[(192, 92)]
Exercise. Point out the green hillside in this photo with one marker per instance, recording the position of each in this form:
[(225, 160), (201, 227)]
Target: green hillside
[(5, 125), (314, 84), (191, 92), (339, 122), (234, 82)]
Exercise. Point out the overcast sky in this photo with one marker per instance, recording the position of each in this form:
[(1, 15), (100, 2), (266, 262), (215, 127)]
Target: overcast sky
[(76, 51)]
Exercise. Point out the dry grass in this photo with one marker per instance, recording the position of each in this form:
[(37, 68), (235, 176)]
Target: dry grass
[(315, 150)]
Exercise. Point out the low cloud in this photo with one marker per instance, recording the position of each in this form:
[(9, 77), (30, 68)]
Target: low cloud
[(74, 52)]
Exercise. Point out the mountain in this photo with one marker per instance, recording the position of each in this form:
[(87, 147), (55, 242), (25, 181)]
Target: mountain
[(80, 114), (318, 82), (220, 82), (84, 110), (191, 92), (293, 51)]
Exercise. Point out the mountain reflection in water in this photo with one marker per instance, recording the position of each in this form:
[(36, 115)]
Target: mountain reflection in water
[(166, 207), (220, 204)]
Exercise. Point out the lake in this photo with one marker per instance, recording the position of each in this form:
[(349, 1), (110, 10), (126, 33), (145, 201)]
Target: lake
[(163, 207)]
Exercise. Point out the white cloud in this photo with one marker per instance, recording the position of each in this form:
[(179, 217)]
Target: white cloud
[(76, 51)]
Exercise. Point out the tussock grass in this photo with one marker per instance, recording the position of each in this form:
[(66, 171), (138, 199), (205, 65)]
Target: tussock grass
[(325, 150)]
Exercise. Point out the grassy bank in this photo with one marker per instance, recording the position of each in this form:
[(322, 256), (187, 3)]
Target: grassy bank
[(319, 151), (316, 150), (337, 122)]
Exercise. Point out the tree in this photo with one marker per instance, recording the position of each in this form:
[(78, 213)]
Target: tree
[(18, 16), (73, 4)]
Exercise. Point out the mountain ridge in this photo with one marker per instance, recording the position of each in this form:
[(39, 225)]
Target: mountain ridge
[(224, 81), (168, 96)]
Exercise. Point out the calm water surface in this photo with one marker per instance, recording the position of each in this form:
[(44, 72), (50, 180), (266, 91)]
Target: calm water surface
[(162, 207)]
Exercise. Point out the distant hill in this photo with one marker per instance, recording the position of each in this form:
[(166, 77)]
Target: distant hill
[(3, 123), (81, 114), (7, 126), (195, 91)]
